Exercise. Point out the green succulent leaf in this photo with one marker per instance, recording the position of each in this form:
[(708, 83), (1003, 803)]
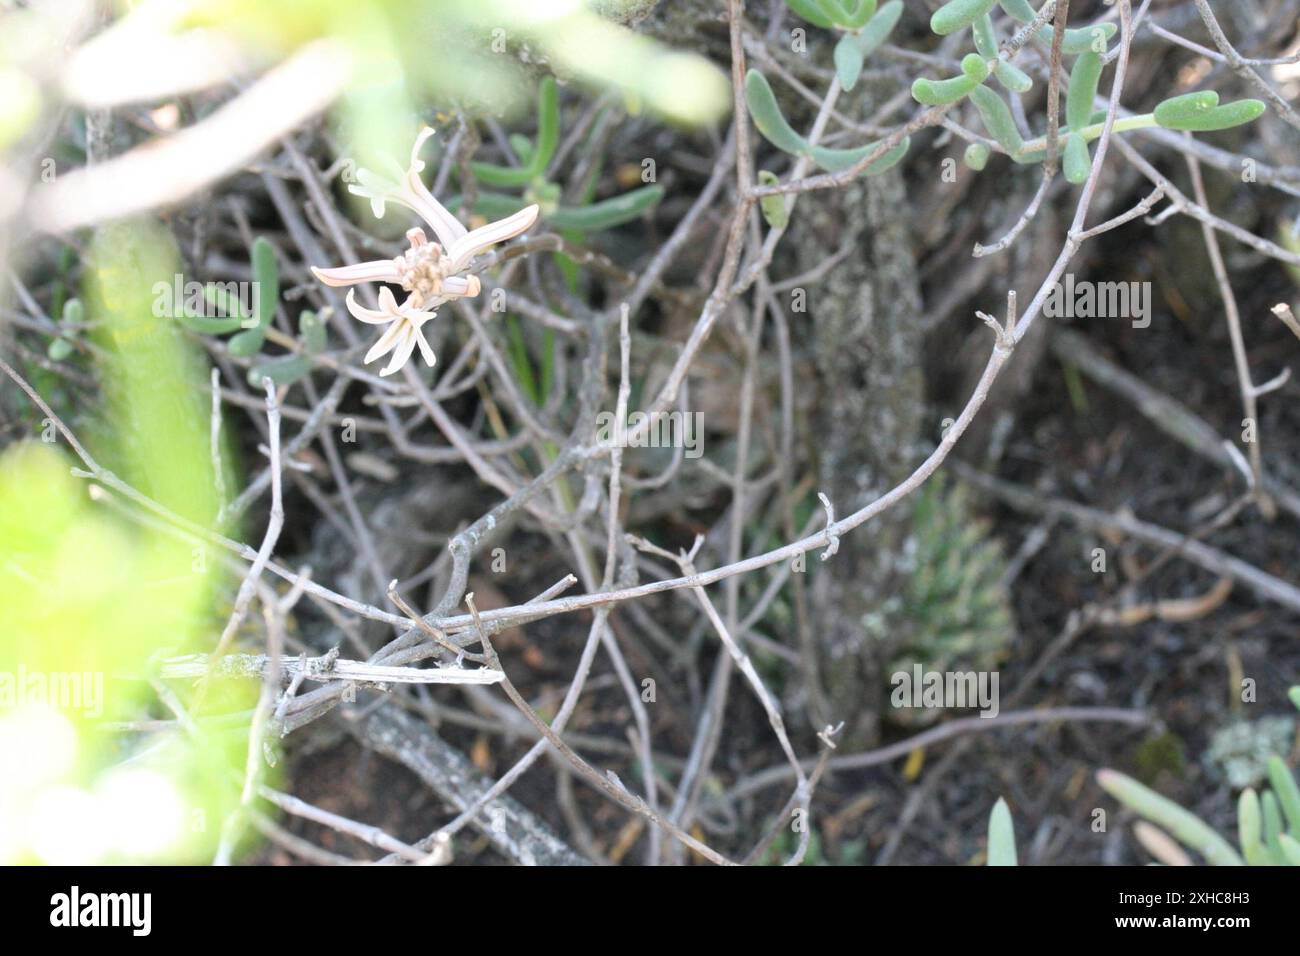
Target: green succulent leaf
[(1093, 39), (879, 27), (956, 14), (1288, 795), (1084, 78), (1075, 41), (986, 38), (1076, 162), (1002, 836), (220, 299), (1250, 828), (776, 211), (1014, 79), (74, 312), (997, 119), (312, 331), (939, 92), (846, 14), (1273, 829), (59, 348), (1290, 849), (536, 157), (266, 273), (1184, 825), (838, 160), (522, 145), (247, 343), (848, 61), (1018, 10), (859, 16), (811, 11), (282, 370), (767, 115), (608, 213), (210, 325), (976, 156), (1200, 112)]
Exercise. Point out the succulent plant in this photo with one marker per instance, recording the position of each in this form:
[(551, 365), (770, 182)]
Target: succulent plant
[(954, 613), (864, 28), (1268, 823), (1239, 751), (535, 156)]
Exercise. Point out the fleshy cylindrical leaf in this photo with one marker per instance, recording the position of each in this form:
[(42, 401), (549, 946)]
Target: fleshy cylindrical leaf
[(607, 213), (986, 38), (1288, 795), (1250, 828), (1213, 119), (957, 14), (1076, 162), (1014, 79), (997, 118), (976, 156), (939, 92), (1186, 826), (1002, 836), (1083, 89)]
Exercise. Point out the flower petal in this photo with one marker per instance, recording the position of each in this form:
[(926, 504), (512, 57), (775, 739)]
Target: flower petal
[(461, 286), (362, 314), (403, 351), (426, 350), (386, 342), (447, 227), (471, 244), (381, 270)]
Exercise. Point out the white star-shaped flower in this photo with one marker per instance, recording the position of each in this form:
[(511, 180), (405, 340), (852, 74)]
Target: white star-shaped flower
[(403, 333), (431, 272)]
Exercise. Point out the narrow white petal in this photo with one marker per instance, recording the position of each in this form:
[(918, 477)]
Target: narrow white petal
[(426, 350), (385, 343), (471, 244), (403, 351), (417, 163), (447, 227), (386, 302), (462, 286), (382, 270), (363, 314)]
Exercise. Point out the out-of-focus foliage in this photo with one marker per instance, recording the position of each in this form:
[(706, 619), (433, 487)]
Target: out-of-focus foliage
[(87, 598), (471, 52)]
